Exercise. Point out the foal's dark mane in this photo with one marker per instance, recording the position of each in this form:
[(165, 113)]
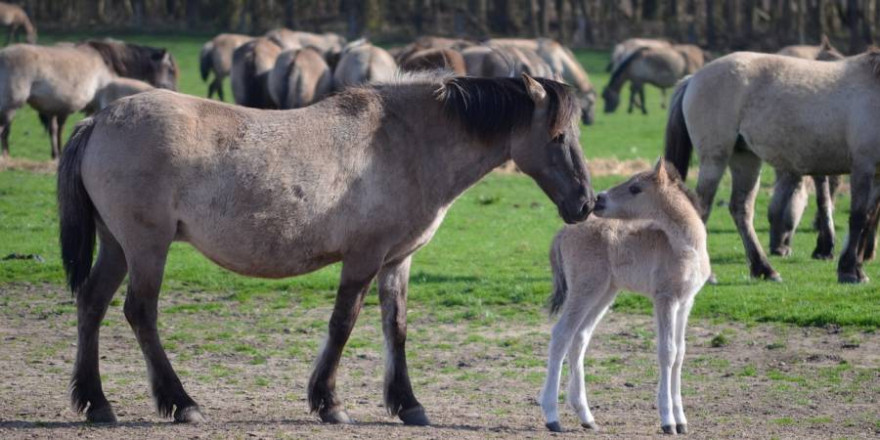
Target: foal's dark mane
[(672, 173), (489, 107), (129, 60)]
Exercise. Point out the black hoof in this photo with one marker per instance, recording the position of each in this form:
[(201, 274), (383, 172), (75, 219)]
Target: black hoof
[(338, 416), (414, 416), (781, 251), (767, 275), (591, 426), (681, 428), (821, 255), (103, 414), (190, 414), (668, 430), (554, 426), (850, 278)]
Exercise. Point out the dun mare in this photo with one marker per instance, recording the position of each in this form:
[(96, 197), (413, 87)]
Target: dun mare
[(360, 63), (117, 88), (626, 47), (14, 17), (435, 59), (358, 178), (771, 116), (60, 80), (646, 236), (300, 78), (216, 58), (251, 64)]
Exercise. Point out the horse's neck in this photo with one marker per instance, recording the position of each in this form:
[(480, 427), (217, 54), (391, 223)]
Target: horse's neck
[(683, 226)]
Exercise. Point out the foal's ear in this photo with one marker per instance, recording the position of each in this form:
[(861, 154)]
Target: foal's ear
[(826, 43), (536, 91), (660, 173)]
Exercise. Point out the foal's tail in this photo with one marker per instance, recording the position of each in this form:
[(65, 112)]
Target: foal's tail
[(679, 146), (206, 59), (75, 209), (560, 287)]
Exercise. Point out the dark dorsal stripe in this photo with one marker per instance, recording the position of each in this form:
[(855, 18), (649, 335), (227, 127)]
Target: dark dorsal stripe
[(489, 107)]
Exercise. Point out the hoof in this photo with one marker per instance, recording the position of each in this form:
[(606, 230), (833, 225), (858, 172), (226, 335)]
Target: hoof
[(681, 428), (103, 414), (668, 430), (850, 278), (769, 275), (414, 416), (190, 414), (713, 280), (338, 416), (591, 426), (554, 426), (819, 255), (781, 251)]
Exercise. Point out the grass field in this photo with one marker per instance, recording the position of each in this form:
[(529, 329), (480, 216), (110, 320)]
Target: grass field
[(483, 282)]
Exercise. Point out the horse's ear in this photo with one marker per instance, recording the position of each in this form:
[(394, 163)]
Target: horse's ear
[(536, 91), (660, 172), (826, 43)]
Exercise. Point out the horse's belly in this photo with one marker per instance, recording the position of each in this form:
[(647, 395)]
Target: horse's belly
[(804, 155)]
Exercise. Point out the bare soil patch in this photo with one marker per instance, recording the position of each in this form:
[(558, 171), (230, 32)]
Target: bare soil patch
[(34, 166), (248, 364)]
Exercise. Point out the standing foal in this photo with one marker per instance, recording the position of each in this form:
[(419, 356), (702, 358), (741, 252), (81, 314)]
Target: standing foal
[(649, 239)]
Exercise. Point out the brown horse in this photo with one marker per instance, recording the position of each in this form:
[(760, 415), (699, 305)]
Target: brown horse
[(251, 64), (216, 57), (435, 59), (300, 78), (361, 62), (15, 18), (60, 80), (281, 193)]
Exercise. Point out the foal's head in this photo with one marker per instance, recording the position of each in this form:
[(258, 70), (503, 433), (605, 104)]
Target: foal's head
[(646, 194)]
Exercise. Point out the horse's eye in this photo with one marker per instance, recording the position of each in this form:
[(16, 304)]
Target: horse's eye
[(634, 189)]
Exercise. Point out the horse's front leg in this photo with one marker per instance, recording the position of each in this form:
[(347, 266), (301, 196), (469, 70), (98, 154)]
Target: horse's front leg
[(353, 286), (663, 98), (665, 314), (642, 99), (824, 220), (849, 268), (786, 208), (745, 169), (680, 330), (399, 397), (633, 93)]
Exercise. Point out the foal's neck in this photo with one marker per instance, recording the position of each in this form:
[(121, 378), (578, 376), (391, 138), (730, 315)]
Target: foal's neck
[(682, 224)]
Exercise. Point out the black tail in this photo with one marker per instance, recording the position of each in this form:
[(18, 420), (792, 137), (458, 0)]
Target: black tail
[(75, 209), (285, 84), (560, 287), (205, 60), (678, 142)]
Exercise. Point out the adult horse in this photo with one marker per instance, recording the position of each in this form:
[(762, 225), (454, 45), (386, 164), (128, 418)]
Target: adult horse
[(435, 59), (802, 117), (626, 47), (282, 193), (14, 17), (216, 58), (329, 44), (251, 64), (300, 78), (60, 80), (360, 63), (658, 66)]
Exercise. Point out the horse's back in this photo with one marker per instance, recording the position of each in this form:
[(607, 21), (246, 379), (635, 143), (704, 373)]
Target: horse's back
[(52, 78)]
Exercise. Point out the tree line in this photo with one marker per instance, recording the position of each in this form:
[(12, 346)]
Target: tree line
[(713, 24)]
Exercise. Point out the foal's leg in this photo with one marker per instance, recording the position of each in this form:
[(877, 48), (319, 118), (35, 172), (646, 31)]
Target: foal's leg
[(849, 268), (146, 260), (91, 301), (399, 397), (666, 315), (824, 220), (785, 211), (680, 330), (354, 283), (745, 169)]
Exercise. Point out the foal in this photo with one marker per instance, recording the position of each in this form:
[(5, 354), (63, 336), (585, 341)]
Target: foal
[(649, 238)]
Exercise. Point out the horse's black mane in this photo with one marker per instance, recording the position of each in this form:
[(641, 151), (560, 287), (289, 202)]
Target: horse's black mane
[(489, 107), (615, 82)]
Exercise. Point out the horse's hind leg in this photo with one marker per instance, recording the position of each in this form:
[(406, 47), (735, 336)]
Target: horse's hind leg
[(357, 274), (849, 268), (868, 244), (146, 260), (5, 127), (786, 208), (745, 169), (663, 98), (680, 330), (217, 86), (91, 302), (824, 220), (632, 97), (60, 120)]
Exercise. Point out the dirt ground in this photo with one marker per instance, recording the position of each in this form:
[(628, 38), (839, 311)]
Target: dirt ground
[(476, 380)]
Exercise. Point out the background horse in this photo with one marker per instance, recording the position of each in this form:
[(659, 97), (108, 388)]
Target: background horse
[(278, 194), (434, 59), (60, 80), (117, 88), (216, 57), (14, 17), (360, 63), (626, 47), (803, 117), (251, 64), (659, 66), (300, 78)]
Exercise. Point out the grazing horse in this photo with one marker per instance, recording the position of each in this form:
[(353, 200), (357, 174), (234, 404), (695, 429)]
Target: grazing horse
[(15, 18), (435, 59), (771, 115), (300, 78), (360, 63), (658, 66), (626, 47), (646, 236), (789, 192), (430, 42), (329, 44), (60, 80), (282, 193), (216, 57), (117, 88), (251, 64), (489, 62)]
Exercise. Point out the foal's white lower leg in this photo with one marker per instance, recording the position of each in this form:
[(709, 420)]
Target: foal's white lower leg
[(577, 392), (559, 343), (680, 329), (665, 313)]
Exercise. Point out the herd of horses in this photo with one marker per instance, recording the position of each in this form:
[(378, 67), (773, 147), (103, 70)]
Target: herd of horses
[(369, 148)]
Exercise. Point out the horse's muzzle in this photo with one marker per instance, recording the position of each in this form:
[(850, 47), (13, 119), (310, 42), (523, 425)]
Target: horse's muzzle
[(577, 210)]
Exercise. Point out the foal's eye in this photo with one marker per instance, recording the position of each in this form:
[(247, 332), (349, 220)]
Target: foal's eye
[(634, 190)]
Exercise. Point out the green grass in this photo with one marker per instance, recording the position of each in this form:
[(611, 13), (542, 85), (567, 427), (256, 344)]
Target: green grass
[(488, 262)]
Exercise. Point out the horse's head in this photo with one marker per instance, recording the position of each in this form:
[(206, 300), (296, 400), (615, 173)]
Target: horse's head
[(162, 71), (550, 150), (646, 194), (587, 103), (612, 99), (828, 52)]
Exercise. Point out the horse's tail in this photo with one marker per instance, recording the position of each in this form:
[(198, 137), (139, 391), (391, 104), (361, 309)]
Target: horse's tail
[(284, 100), (679, 146), (205, 59), (75, 209), (560, 287), (254, 85)]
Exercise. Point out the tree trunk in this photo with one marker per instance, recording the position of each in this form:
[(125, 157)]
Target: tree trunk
[(290, 17), (853, 23), (671, 19), (563, 22), (710, 24)]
